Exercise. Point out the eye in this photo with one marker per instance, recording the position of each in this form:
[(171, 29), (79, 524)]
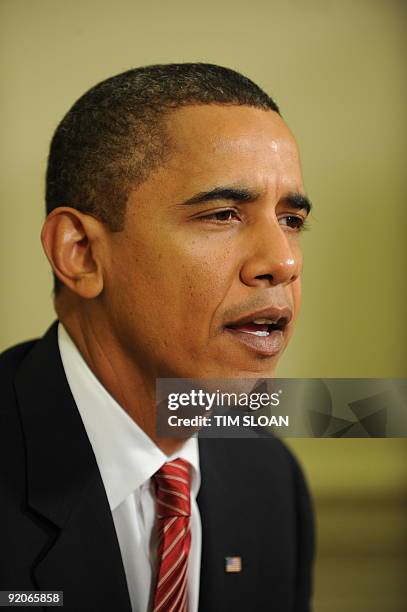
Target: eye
[(221, 215), (294, 222)]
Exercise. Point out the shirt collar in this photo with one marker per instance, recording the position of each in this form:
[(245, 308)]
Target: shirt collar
[(125, 455)]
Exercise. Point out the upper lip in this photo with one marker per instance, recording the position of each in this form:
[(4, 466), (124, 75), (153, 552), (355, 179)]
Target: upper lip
[(280, 316)]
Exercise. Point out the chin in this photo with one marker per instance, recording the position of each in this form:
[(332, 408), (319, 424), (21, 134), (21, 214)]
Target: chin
[(250, 370)]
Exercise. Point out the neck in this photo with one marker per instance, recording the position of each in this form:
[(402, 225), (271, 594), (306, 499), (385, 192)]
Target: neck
[(131, 386)]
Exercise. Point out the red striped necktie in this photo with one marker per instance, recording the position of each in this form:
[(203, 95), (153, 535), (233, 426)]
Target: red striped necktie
[(173, 484)]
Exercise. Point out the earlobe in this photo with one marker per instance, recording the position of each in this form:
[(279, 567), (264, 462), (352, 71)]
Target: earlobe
[(69, 241)]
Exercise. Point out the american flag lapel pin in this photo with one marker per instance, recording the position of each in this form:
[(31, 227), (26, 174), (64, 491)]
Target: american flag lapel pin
[(233, 565)]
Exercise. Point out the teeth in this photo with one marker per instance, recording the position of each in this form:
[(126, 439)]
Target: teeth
[(263, 321), (256, 333)]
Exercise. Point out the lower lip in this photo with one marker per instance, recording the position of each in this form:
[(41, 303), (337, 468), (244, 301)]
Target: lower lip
[(263, 345)]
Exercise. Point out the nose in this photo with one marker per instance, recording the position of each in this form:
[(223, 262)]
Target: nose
[(273, 255)]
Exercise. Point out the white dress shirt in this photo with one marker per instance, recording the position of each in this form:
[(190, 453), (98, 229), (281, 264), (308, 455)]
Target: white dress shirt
[(127, 458)]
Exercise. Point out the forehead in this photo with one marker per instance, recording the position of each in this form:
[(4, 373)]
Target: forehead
[(218, 139)]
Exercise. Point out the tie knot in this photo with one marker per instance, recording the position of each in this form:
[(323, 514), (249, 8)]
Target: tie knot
[(173, 485)]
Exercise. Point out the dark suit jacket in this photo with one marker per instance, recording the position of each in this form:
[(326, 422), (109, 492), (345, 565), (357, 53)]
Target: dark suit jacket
[(56, 528)]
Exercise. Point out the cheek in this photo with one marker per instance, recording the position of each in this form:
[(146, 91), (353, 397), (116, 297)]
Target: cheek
[(177, 279), (201, 288), (174, 286), (201, 268)]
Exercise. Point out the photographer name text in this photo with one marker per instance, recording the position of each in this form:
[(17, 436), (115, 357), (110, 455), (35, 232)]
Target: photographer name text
[(222, 420)]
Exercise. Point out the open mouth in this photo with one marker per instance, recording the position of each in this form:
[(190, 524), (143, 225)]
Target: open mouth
[(260, 327), (263, 331)]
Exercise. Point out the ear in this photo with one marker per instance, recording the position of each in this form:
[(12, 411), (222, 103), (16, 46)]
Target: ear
[(71, 241)]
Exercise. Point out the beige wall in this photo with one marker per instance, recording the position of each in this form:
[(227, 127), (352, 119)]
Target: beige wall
[(337, 69)]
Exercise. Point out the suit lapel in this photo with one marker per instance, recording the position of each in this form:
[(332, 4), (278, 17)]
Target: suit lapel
[(65, 490)]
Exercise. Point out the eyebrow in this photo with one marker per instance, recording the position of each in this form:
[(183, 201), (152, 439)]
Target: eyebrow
[(298, 201), (295, 200)]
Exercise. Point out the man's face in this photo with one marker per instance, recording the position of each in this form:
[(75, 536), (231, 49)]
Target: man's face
[(205, 283)]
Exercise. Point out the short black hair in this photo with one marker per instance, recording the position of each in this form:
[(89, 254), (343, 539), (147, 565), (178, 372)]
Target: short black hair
[(114, 135)]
